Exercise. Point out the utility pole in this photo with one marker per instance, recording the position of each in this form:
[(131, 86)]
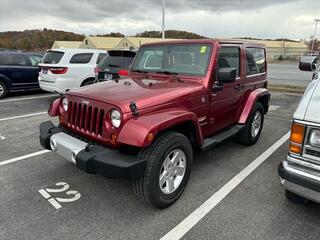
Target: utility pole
[(163, 27), (315, 32)]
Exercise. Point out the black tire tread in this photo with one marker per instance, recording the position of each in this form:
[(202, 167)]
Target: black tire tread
[(293, 197), (140, 187)]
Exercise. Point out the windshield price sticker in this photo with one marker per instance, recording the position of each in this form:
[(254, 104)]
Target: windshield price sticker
[(203, 49)]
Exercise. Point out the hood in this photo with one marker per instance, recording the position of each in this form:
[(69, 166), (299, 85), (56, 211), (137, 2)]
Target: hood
[(144, 92), (309, 106)]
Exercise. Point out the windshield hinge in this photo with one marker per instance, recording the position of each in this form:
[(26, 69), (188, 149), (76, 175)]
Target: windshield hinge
[(134, 109)]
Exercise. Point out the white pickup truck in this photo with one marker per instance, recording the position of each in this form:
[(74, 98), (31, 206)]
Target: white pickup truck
[(300, 172)]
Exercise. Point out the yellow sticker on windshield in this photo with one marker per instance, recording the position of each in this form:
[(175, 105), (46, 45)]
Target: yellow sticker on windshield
[(203, 49)]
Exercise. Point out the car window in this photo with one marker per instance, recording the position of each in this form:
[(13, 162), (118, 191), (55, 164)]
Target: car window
[(229, 57), (189, 59), (256, 62), (101, 56), (52, 57), (115, 61), (35, 59), (14, 59), (81, 58)]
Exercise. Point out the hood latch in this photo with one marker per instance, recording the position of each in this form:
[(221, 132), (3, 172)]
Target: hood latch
[(134, 109)]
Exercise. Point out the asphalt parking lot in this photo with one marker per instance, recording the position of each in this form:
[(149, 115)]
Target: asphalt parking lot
[(102, 208)]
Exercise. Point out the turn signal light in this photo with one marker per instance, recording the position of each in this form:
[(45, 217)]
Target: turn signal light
[(295, 148), (297, 133), (296, 138)]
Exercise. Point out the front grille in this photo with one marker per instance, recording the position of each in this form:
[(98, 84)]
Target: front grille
[(85, 118), (313, 152)]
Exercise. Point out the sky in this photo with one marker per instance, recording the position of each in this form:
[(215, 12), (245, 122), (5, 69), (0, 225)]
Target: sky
[(212, 18)]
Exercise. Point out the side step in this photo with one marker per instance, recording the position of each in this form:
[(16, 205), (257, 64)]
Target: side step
[(218, 138)]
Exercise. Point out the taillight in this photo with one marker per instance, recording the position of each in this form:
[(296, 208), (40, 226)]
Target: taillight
[(123, 72), (97, 70), (296, 138), (58, 70)]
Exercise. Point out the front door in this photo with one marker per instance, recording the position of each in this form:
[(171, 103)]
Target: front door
[(225, 103)]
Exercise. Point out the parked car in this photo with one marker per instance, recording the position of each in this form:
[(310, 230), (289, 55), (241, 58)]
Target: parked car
[(18, 71), (300, 171), (66, 69), (114, 65), (179, 96)]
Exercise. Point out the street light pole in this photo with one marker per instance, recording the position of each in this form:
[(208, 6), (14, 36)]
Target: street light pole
[(315, 32), (163, 27)]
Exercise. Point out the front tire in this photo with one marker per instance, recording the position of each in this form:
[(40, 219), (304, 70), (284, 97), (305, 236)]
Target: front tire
[(3, 90), (295, 197), (169, 160), (251, 132)]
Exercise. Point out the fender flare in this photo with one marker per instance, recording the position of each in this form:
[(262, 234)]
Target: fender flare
[(55, 108), (135, 131), (249, 103)]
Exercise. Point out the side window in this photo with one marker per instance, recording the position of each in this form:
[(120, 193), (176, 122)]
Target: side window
[(256, 62), (229, 57), (20, 60), (100, 56), (81, 58), (4, 59)]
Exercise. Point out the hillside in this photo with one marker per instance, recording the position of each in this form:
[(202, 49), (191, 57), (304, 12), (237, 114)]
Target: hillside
[(35, 40), (170, 34)]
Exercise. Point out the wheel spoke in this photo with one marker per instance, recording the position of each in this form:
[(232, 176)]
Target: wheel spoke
[(163, 178), (170, 184), (176, 157)]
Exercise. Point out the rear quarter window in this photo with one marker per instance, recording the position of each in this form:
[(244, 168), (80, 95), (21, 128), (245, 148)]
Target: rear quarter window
[(81, 58), (52, 57), (256, 61)]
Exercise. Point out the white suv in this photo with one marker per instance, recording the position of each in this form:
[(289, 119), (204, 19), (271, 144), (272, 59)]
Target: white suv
[(66, 69)]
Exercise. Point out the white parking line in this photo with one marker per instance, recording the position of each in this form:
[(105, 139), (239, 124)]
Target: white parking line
[(183, 227), (23, 157), (23, 116), (27, 98)]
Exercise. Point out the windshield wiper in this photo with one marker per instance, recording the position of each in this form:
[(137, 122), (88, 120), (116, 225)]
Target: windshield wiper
[(173, 74)]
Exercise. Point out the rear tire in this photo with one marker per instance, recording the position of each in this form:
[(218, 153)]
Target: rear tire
[(165, 176), (295, 197), (252, 130), (87, 82), (3, 90)]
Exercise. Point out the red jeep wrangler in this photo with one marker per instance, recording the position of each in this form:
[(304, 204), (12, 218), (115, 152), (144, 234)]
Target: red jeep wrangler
[(179, 96)]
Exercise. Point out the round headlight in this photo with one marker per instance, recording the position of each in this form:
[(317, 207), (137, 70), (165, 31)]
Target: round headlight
[(65, 104), (315, 138), (115, 118)]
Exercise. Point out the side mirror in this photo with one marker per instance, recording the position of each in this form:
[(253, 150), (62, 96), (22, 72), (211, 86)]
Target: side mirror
[(227, 75), (308, 63)]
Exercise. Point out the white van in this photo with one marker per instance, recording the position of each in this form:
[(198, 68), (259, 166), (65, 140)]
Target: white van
[(66, 69)]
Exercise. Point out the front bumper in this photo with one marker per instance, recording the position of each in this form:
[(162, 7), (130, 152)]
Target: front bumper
[(300, 177), (91, 158)]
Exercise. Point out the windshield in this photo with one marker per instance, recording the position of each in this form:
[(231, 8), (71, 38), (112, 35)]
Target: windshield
[(189, 59)]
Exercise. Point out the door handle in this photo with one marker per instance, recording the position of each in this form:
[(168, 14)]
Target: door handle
[(238, 87)]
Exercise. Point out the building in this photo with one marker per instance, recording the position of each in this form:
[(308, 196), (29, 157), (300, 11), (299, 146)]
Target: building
[(106, 43), (66, 44), (109, 43), (283, 50)]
